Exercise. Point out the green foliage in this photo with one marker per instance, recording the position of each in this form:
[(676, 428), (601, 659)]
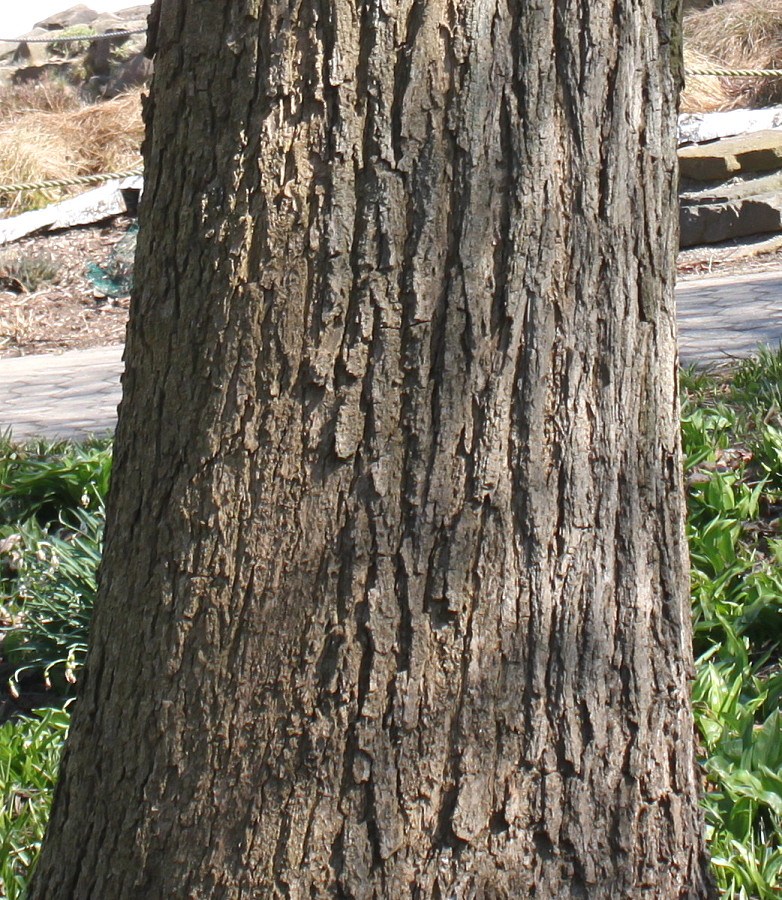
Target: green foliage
[(55, 588), (70, 48), (51, 520), (52, 481), (733, 449), (51, 524), (29, 756)]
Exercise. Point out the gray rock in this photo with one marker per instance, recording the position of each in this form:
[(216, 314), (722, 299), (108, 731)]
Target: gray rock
[(710, 223), (700, 127), (136, 72), (691, 193), (758, 152), (113, 22), (106, 22), (135, 12), (76, 15), (106, 57), (12, 50), (29, 74), (30, 54)]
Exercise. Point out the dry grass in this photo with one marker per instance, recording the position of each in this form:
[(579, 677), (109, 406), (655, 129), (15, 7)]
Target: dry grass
[(743, 34), (46, 95), (706, 92), (108, 135), (48, 133)]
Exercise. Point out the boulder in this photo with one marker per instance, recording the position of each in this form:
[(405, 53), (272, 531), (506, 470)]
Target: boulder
[(709, 223), (105, 56), (76, 15), (29, 74), (107, 22), (758, 152), (141, 11), (135, 72), (21, 50), (102, 66), (30, 54)]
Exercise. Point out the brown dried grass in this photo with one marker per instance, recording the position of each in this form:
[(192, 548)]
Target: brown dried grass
[(703, 93), (108, 135), (735, 34), (49, 138)]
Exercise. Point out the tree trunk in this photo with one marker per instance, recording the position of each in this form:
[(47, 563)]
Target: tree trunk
[(393, 600)]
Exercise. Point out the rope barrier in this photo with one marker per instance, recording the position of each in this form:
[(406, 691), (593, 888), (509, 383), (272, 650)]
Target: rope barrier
[(737, 73), (124, 32), (68, 182)]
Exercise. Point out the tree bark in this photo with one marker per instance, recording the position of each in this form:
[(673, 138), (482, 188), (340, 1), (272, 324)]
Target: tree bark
[(393, 601)]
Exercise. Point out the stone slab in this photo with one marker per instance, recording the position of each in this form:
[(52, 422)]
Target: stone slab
[(697, 128), (692, 192), (758, 152), (710, 223), (90, 206)]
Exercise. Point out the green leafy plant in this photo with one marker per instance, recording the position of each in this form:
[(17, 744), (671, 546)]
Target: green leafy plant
[(51, 524), (69, 48), (30, 751), (55, 589), (732, 463), (52, 481)]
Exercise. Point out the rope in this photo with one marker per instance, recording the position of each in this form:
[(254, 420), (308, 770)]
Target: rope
[(68, 182), (737, 73), (74, 37)]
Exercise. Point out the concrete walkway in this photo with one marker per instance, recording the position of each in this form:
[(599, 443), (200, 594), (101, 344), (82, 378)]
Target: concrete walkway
[(76, 393), (61, 395), (724, 318)]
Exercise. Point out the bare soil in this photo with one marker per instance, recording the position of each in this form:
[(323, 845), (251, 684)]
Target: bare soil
[(72, 314)]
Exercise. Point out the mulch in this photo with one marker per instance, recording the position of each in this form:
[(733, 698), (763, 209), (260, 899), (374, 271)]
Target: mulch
[(70, 313)]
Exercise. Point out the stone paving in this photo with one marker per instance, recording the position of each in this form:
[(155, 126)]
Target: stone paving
[(66, 395), (724, 318), (76, 393)]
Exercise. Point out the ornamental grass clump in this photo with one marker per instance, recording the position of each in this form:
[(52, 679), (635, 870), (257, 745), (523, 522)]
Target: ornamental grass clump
[(51, 526), (30, 752), (32, 270)]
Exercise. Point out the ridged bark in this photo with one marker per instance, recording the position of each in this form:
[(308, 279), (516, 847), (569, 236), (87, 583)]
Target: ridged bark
[(394, 600)]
